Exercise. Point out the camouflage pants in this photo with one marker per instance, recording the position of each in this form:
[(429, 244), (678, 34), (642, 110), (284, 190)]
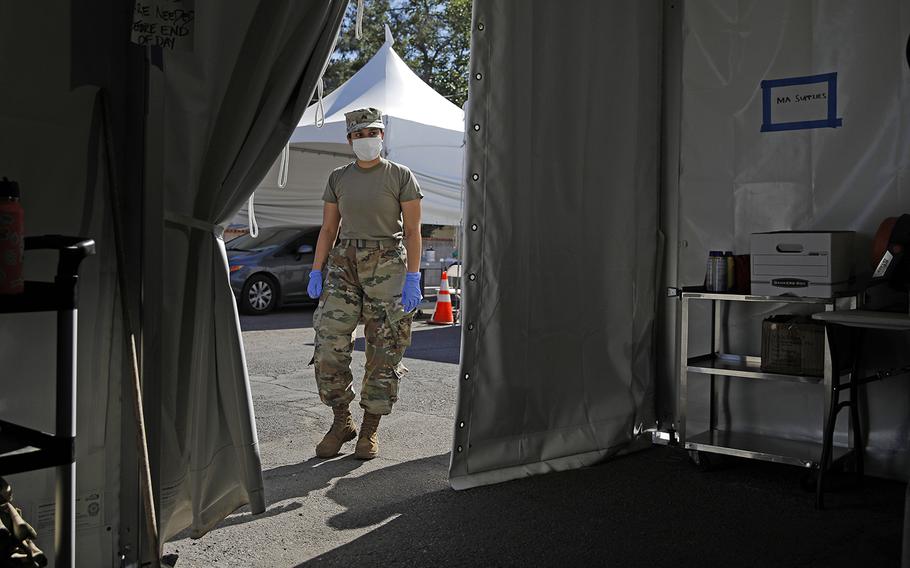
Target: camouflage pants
[(362, 284)]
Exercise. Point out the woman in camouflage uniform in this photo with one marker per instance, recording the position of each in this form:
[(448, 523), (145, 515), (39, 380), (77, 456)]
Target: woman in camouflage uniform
[(372, 276)]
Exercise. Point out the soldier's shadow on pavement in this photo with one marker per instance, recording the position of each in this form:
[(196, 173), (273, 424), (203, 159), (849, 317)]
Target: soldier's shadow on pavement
[(379, 495), (368, 499), (295, 481)]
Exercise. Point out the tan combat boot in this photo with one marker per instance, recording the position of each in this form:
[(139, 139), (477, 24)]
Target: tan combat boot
[(368, 443), (343, 429)]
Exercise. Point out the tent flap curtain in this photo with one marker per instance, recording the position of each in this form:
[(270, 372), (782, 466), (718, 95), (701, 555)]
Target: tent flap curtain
[(561, 240), (238, 96)]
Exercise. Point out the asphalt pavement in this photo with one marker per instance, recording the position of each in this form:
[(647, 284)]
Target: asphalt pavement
[(653, 508), (316, 506), (286, 318)]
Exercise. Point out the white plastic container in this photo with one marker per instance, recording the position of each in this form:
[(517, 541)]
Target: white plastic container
[(716, 272)]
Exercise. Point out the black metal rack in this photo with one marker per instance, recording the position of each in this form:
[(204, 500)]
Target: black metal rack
[(24, 449)]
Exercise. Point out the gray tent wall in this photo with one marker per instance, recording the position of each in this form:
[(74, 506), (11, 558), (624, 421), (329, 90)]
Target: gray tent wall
[(561, 236), (734, 179), (52, 61), (530, 399)]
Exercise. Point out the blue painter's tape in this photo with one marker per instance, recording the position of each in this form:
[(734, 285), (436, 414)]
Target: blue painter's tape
[(831, 121)]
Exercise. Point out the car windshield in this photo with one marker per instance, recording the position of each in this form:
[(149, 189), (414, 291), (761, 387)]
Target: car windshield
[(267, 239)]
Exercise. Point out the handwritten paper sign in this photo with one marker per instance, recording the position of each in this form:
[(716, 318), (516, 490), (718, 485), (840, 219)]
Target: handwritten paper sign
[(800, 103), (168, 24)]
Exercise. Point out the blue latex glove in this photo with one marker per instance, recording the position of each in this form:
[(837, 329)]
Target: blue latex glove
[(314, 288), (410, 294)]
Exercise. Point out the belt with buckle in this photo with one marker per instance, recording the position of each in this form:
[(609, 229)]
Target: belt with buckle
[(370, 243)]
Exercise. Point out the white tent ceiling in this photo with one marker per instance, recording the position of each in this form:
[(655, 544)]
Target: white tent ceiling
[(424, 131)]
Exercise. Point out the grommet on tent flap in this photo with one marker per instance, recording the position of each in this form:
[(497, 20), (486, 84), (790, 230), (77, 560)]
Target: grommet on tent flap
[(472, 277), (459, 449), (467, 376), (476, 128), (470, 327), (475, 177), (478, 76), (474, 227), (461, 424), (480, 26)]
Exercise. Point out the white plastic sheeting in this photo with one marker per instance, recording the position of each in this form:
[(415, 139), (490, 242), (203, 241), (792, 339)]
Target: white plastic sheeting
[(736, 179), (561, 236), (424, 131), (236, 98)]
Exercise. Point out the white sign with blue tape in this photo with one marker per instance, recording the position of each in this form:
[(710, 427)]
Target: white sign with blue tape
[(800, 103)]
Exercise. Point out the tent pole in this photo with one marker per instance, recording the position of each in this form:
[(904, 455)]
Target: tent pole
[(136, 390)]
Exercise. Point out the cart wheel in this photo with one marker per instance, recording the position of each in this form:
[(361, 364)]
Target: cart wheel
[(703, 460)]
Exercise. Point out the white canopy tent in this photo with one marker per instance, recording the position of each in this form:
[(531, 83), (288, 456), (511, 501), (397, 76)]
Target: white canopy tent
[(424, 131)]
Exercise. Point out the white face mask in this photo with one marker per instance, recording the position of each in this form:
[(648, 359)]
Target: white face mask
[(367, 149)]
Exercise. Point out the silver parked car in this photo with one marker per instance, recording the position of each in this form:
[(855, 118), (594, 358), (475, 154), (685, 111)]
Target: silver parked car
[(272, 269)]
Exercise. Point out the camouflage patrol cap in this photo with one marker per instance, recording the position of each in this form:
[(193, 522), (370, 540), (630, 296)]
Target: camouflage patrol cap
[(364, 118)]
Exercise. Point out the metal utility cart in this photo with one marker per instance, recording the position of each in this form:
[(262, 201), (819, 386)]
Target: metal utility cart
[(24, 449), (806, 454)]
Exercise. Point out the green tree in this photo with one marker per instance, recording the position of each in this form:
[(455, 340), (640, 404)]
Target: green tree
[(432, 36)]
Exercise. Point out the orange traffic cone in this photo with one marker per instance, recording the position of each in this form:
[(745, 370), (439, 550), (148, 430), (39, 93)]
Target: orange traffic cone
[(443, 314)]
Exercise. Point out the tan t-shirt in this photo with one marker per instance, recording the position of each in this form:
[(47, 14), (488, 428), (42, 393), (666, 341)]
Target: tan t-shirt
[(370, 199)]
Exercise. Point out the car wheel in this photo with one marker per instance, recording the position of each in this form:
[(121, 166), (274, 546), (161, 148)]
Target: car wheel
[(259, 295)]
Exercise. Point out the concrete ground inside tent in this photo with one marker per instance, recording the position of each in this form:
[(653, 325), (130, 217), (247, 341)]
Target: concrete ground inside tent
[(653, 508)]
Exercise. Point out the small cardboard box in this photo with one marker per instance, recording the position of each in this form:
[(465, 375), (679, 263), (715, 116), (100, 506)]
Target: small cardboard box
[(793, 345)]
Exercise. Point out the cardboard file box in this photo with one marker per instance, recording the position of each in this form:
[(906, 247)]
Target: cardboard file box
[(793, 345), (810, 264)]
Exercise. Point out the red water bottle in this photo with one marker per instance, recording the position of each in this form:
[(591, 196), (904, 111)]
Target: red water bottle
[(12, 238)]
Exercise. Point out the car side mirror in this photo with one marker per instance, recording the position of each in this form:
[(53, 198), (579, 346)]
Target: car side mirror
[(305, 249)]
